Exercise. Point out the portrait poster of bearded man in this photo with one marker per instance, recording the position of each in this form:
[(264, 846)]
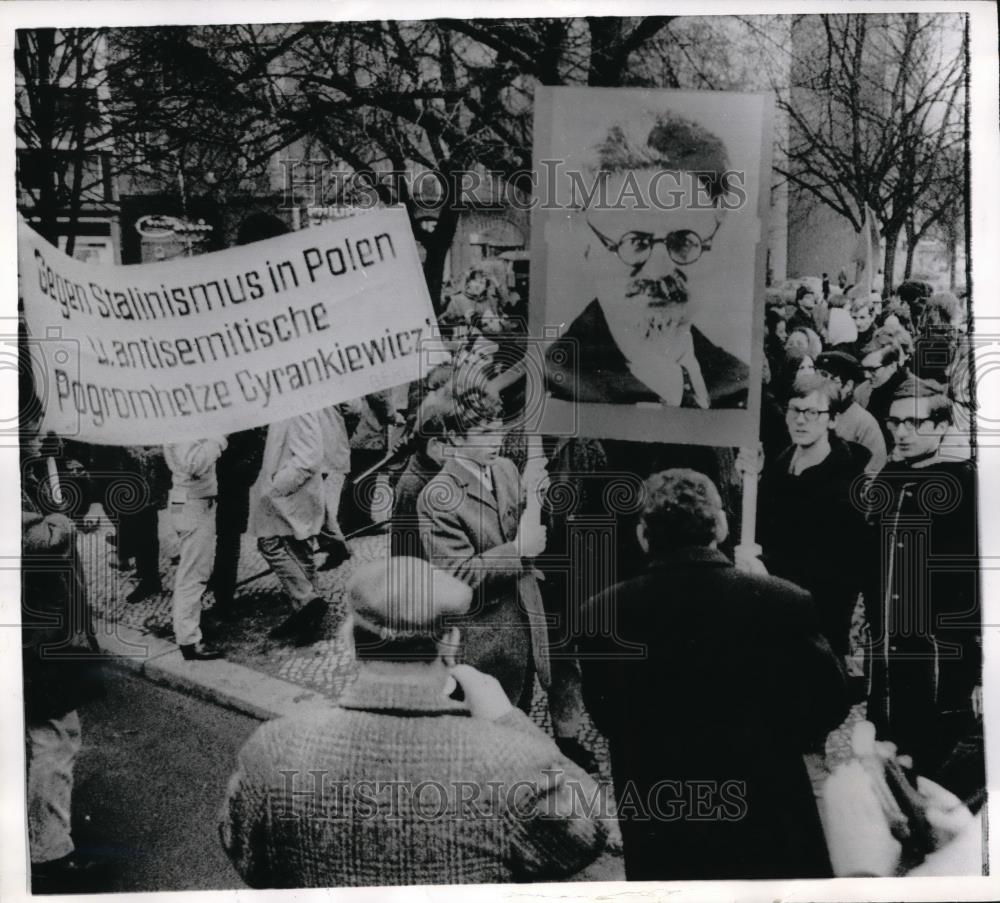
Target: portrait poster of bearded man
[(648, 261)]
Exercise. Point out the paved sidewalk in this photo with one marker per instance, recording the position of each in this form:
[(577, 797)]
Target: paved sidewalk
[(142, 634), (267, 678), (262, 677)]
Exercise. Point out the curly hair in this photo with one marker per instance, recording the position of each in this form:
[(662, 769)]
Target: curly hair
[(444, 413), (673, 143), (681, 507)]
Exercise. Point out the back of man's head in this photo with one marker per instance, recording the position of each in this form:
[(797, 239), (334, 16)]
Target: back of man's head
[(401, 607), (681, 508)]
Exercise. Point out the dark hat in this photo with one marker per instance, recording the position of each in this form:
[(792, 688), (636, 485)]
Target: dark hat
[(400, 596), (839, 363)]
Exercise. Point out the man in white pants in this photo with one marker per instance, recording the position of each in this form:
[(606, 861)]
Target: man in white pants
[(192, 511)]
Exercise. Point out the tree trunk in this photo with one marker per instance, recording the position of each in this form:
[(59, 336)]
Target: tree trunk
[(911, 247), (605, 32), (47, 206), (436, 246), (889, 267)]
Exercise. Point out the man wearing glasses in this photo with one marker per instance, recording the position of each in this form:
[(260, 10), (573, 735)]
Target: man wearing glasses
[(922, 594), (661, 204), (808, 524), (885, 371)]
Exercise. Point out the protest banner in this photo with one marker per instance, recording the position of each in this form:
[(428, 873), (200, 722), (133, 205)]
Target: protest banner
[(180, 350)]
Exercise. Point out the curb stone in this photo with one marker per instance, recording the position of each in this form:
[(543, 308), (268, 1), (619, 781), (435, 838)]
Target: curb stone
[(220, 682)]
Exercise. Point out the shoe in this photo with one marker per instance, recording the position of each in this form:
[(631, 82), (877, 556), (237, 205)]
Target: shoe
[(143, 591), (576, 752), (336, 553), (200, 652), (302, 623)]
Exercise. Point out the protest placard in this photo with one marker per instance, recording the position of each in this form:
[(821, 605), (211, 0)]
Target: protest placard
[(648, 261), (175, 351)]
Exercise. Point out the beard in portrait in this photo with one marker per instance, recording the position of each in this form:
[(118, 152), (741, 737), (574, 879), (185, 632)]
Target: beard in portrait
[(657, 201)]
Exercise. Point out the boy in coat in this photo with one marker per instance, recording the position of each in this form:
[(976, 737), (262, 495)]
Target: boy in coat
[(472, 524)]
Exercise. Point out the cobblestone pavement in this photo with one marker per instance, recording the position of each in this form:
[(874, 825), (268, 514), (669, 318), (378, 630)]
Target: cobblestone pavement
[(328, 665)]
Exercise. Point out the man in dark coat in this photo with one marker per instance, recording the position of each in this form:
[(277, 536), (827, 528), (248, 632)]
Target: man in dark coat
[(925, 621), (663, 196), (236, 471), (810, 523), (709, 684)]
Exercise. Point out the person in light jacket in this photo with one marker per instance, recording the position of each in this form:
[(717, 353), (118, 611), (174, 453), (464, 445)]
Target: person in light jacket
[(287, 509), (336, 467), (192, 511)]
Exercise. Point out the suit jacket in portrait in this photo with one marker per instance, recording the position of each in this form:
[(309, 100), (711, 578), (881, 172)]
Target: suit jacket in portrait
[(698, 672), (586, 365), (392, 786), (469, 532)]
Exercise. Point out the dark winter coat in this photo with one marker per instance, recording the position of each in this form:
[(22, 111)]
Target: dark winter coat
[(711, 682), (811, 528)]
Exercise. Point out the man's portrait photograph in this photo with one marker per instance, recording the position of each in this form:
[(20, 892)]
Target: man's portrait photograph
[(650, 217)]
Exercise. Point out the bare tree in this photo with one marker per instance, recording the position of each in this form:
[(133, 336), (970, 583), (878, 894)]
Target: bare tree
[(443, 97), (63, 137), (875, 107), (939, 212)]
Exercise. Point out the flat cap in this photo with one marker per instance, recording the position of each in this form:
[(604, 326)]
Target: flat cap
[(840, 363), (401, 596)]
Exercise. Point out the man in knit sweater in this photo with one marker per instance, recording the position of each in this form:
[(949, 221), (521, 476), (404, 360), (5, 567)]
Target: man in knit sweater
[(401, 783), (192, 510)]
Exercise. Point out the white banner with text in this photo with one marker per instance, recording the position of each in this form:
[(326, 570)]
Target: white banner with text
[(208, 345)]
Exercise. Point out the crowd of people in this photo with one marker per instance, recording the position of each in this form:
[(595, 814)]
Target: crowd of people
[(511, 564)]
